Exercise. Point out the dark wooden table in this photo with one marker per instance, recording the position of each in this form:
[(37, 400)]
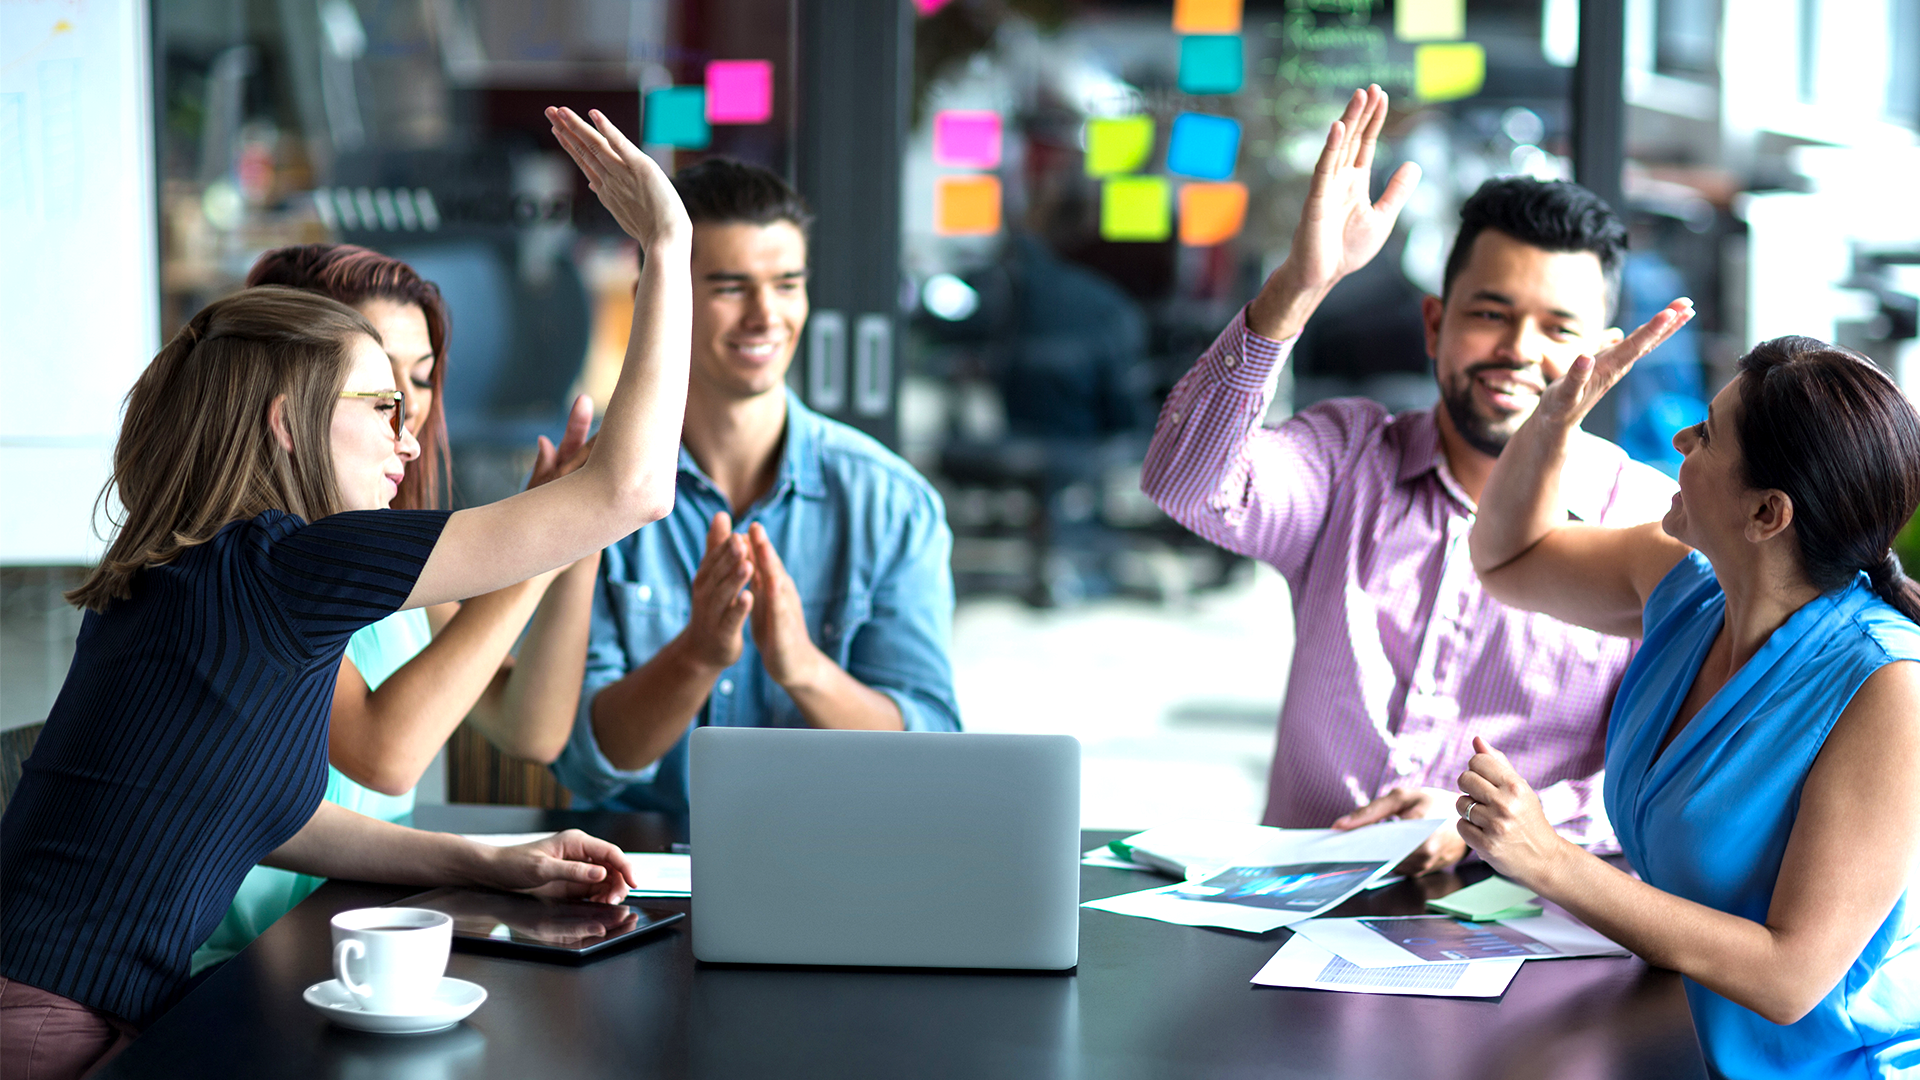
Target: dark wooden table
[(1148, 1000)]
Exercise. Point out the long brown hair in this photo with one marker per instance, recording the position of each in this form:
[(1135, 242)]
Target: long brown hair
[(196, 451), (354, 275)]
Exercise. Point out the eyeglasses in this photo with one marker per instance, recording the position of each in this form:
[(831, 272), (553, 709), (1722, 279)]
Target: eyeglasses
[(399, 414)]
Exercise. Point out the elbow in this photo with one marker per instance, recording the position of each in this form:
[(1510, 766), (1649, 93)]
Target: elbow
[(540, 751), (647, 500), (1788, 1004)]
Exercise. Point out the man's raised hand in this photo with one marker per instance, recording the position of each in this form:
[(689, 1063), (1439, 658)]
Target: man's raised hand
[(630, 185), (1340, 229)]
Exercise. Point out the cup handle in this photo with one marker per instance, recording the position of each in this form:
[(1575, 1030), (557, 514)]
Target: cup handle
[(358, 990)]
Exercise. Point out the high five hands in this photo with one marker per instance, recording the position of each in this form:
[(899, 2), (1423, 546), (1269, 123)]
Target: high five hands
[(630, 185), (1571, 397), (1340, 229), (742, 581)]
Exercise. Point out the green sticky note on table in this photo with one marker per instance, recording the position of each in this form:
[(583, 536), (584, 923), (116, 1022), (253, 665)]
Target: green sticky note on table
[(1118, 145), (1136, 208), (1489, 900)]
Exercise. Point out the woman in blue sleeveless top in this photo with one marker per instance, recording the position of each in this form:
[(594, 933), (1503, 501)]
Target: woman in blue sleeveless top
[(1763, 755)]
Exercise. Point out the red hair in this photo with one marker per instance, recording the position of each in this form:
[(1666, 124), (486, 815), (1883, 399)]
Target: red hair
[(353, 275)]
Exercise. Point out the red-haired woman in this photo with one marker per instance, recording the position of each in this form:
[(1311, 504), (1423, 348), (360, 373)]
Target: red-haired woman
[(408, 680)]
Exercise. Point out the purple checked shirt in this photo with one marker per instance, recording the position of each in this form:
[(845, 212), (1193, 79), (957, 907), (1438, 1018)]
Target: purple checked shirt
[(1400, 656)]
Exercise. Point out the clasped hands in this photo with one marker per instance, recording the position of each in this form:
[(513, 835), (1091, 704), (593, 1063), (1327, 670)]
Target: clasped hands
[(740, 582)]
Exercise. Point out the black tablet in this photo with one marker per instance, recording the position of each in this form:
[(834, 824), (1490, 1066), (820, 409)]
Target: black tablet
[(515, 924)]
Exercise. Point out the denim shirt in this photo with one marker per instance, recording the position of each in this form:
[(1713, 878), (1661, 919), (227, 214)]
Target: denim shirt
[(864, 538)]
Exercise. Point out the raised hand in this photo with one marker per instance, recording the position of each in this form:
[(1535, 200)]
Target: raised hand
[(1340, 228), (629, 184), (779, 621), (720, 598), (552, 462), (1572, 396)]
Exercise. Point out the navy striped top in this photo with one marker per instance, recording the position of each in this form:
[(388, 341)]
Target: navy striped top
[(189, 740)]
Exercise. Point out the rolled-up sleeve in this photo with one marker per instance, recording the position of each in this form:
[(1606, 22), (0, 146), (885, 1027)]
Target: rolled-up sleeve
[(582, 768), (902, 650)]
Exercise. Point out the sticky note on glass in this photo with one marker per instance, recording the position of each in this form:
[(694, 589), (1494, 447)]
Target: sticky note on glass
[(677, 116), (1494, 898), (739, 91), (966, 206), (966, 139), (1449, 71), (1211, 213), (1135, 208), (1211, 64), (1430, 20), (1207, 16), (1203, 146), (1118, 144)]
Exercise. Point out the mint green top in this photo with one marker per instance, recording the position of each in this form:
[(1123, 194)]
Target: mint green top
[(378, 651)]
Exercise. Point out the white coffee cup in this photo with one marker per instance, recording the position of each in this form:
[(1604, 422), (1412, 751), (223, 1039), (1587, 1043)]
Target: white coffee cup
[(400, 954)]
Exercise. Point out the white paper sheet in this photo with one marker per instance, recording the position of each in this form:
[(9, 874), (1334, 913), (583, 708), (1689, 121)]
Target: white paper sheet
[(1442, 940), (1367, 853), (661, 874), (1300, 963)]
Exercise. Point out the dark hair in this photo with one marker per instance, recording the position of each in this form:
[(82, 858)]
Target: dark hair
[(353, 275), (195, 452), (721, 191), (1826, 426), (1556, 215)]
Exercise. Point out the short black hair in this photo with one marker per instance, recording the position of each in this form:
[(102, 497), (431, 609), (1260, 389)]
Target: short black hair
[(1557, 215), (720, 191)]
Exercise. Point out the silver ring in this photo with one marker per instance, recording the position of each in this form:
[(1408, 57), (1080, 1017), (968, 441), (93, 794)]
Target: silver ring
[(1469, 814)]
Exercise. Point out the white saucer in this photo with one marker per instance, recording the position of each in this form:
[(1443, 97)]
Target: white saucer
[(451, 1003)]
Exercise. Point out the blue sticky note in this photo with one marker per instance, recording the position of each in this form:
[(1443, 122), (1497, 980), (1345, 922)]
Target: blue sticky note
[(1204, 147), (677, 116), (1211, 64)]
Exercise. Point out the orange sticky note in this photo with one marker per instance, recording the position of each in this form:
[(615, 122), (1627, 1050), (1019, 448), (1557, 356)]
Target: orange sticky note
[(1206, 16), (1211, 213), (966, 206)]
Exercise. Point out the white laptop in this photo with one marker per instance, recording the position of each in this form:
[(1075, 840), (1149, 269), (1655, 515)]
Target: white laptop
[(885, 848)]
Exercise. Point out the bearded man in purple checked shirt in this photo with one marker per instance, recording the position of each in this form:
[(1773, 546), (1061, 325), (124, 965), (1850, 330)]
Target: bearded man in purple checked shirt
[(1401, 658)]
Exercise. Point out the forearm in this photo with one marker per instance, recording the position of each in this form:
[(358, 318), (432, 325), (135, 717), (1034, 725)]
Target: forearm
[(638, 447), (1286, 302), (386, 739), (830, 698), (528, 711), (637, 719), (1739, 959), (338, 843), (1521, 502)]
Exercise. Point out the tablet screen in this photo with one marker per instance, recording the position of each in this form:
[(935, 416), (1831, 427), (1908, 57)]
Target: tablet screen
[(515, 921)]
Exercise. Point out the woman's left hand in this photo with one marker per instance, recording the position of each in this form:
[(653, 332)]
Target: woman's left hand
[(1501, 817), (568, 865)]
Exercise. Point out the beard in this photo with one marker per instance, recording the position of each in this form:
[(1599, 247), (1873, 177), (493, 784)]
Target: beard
[(1486, 434)]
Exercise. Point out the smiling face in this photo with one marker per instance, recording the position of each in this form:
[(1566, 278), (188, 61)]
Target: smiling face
[(1515, 318), (368, 462), (403, 327), (749, 303)]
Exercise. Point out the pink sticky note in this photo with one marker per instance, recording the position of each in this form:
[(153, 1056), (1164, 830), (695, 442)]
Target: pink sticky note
[(966, 139), (928, 7), (739, 91)]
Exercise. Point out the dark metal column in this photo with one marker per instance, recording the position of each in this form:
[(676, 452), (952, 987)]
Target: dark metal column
[(856, 60), (1600, 126)]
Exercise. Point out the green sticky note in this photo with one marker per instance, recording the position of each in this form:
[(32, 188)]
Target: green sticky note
[(1137, 208), (1118, 145), (676, 116), (1494, 898)]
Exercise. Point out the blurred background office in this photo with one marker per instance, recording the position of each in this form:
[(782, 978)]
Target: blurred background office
[(1033, 216)]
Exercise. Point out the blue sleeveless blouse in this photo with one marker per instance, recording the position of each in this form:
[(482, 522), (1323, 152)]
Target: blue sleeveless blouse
[(1709, 819)]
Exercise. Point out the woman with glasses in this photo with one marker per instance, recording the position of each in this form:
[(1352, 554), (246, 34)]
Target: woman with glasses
[(257, 458), (408, 680)]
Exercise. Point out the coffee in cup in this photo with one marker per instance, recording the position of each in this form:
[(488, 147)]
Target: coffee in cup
[(397, 954)]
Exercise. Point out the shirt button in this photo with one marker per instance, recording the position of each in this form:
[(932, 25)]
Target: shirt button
[(726, 686), (1231, 360), (644, 592), (1174, 416), (826, 628)]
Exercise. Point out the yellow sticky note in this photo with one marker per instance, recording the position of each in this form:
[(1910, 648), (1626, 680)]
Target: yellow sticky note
[(1118, 145), (1211, 213), (1430, 20), (1135, 208), (1447, 72), (1208, 16), (966, 206)]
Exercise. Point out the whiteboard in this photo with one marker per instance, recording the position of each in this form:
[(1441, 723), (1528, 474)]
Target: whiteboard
[(79, 267)]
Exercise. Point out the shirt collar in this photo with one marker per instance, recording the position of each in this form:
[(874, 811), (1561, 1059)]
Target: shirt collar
[(1583, 487), (799, 455)]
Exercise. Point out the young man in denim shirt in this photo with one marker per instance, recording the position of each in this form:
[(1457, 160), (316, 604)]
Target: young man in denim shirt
[(803, 577)]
